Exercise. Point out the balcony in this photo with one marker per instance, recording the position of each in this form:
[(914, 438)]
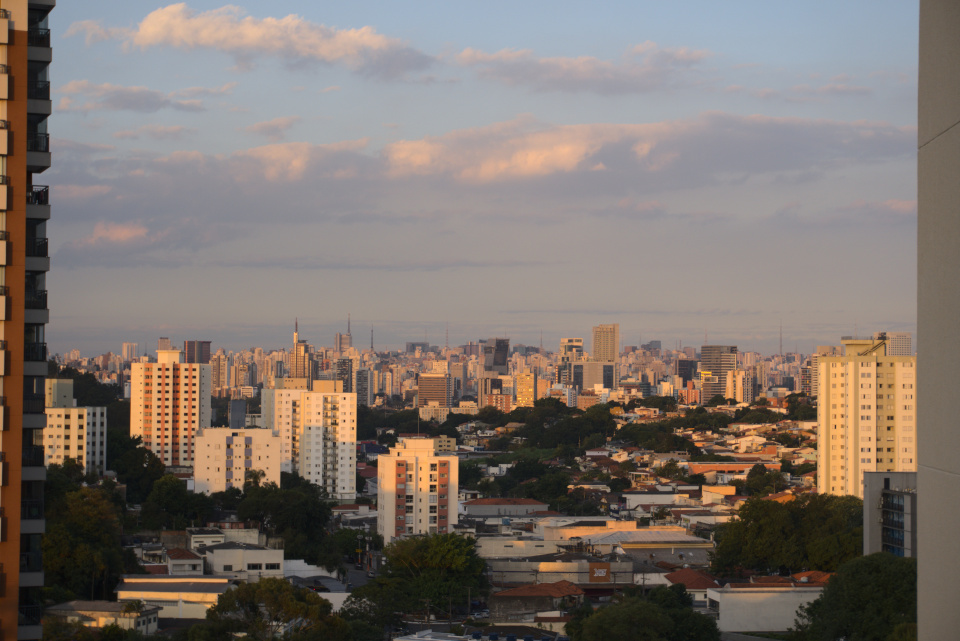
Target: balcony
[(31, 509), (32, 456), (30, 615), (31, 561), (38, 152), (35, 351), (40, 195), (38, 37), (38, 90), (35, 299), (38, 247), (34, 404)]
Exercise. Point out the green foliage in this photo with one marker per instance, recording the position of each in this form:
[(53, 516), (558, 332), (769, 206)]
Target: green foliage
[(665, 614), (171, 506), (470, 474), (800, 409), (757, 415), (437, 566), (265, 608), (138, 468), (814, 531), (869, 598), (88, 391), (59, 629), (662, 403), (716, 400), (81, 548), (761, 482)]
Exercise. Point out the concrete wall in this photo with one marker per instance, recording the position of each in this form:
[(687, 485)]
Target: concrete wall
[(938, 308), (759, 609)]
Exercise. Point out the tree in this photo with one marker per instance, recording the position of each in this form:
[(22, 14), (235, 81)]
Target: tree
[(870, 597), (268, 607), (171, 505), (665, 614), (138, 469)]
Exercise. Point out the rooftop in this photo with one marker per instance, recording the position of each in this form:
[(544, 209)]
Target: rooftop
[(555, 590)]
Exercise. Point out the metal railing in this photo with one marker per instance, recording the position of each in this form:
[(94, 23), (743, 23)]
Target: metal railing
[(31, 561), (30, 614), (34, 351), (35, 299), (38, 247), (38, 142), (33, 456), (5, 69), (4, 124), (4, 15), (39, 195), (34, 404), (31, 509), (38, 37), (38, 90)]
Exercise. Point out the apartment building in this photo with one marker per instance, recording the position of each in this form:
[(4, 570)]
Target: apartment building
[(78, 433), (224, 456), (25, 56), (715, 362), (606, 343), (169, 403), (866, 415), (318, 435), (417, 490)]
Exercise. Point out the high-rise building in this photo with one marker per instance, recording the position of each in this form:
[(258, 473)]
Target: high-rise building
[(366, 386), (24, 146), (866, 416), (300, 365), (343, 342), (344, 373), (417, 490), (169, 402), (131, 351), (219, 371), (496, 354), (526, 389), (898, 343), (434, 388), (225, 455), (164, 344), (715, 362), (195, 351), (571, 349), (318, 435), (606, 343), (78, 433)]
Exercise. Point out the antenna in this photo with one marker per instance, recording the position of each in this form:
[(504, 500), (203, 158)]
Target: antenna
[(348, 323), (781, 338), (448, 335), (371, 338)]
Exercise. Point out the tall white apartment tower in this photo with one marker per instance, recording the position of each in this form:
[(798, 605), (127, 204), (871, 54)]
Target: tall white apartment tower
[(866, 416), (417, 490), (169, 402), (318, 436), (606, 343)]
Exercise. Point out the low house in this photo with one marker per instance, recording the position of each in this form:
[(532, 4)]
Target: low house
[(760, 607), (200, 537), (181, 561), (696, 582), (177, 597), (243, 561), (480, 508), (524, 602), (99, 614)]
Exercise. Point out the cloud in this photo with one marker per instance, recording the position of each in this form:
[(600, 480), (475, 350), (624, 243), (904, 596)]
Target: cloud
[(643, 68), (106, 232), (330, 88), (292, 39), (192, 92), (157, 132), (833, 89), (75, 192), (110, 97), (707, 147), (273, 129)]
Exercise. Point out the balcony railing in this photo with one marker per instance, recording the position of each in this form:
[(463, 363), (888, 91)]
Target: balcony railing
[(38, 142), (33, 456), (31, 561), (38, 247), (31, 509), (5, 69), (40, 195), (35, 299), (4, 15), (34, 351), (38, 90), (34, 404), (30, 614), (38, 37)]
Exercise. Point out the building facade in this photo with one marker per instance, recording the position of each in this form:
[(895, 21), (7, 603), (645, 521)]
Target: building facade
[(24, 147), (866, 416), (417, 490), (224, 456), (169, 402), (715, 362), (606, 343)]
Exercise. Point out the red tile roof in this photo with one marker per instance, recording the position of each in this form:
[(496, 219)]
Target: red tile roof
[(692, 579), (507, 501), (180, 554), (556, 590), (156, 568)]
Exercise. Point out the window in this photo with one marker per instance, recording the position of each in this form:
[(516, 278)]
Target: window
[(228, 568), (272, 566), (254, 566)]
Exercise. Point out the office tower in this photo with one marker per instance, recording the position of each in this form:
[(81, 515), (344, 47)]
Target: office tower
[(417, 490), (526, 389), (78, 433), (318, 435), (739, 386), (131, 351), (898, 343), (686, 369), (224, 455), (496, 352), (344, 373), (715, 362), (606, 343), (938, 307), (571, 349), (24, 108), (434, 388), (169, 402), (196, 351), (163, 343), (299, 364), (366, 386), (412, 347), (866, 416), (219, 371)]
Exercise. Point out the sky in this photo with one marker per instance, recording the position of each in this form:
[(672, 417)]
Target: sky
[(694, 171)]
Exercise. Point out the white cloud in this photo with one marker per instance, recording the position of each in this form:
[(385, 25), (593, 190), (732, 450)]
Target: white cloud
[(156, 132), (86, 96), (291, 38), (643, 68)]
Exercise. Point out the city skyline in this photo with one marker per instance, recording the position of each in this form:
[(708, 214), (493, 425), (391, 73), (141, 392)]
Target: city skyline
[(625, 165)]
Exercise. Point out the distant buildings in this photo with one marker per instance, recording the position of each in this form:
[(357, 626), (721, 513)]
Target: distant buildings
[(606, 343), (417, 490), (715, 362), (195, 351), (78, 433), (866, 415), (169, 402)]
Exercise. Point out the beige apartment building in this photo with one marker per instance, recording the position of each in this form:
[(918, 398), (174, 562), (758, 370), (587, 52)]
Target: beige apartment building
[(79, 433), (526, 385), (318, 435), (224, 456), (866, 415), (169, 402), (606, 343), (417, 490)]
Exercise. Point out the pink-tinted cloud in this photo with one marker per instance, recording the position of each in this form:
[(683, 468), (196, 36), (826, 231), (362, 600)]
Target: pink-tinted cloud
[(156, 132), (86, 96), (273, 129), (107, 232)]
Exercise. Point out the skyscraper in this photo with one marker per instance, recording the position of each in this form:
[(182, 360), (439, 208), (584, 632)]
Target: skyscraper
[(866, 416), (606, 343), (715, 362), (196, 351), (24, 146), (169, 402)]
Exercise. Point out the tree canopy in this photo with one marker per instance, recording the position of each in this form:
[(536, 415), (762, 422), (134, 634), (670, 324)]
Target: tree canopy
[(665, 614)]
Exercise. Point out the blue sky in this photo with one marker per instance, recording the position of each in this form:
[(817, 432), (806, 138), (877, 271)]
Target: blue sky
[(507, 168)]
